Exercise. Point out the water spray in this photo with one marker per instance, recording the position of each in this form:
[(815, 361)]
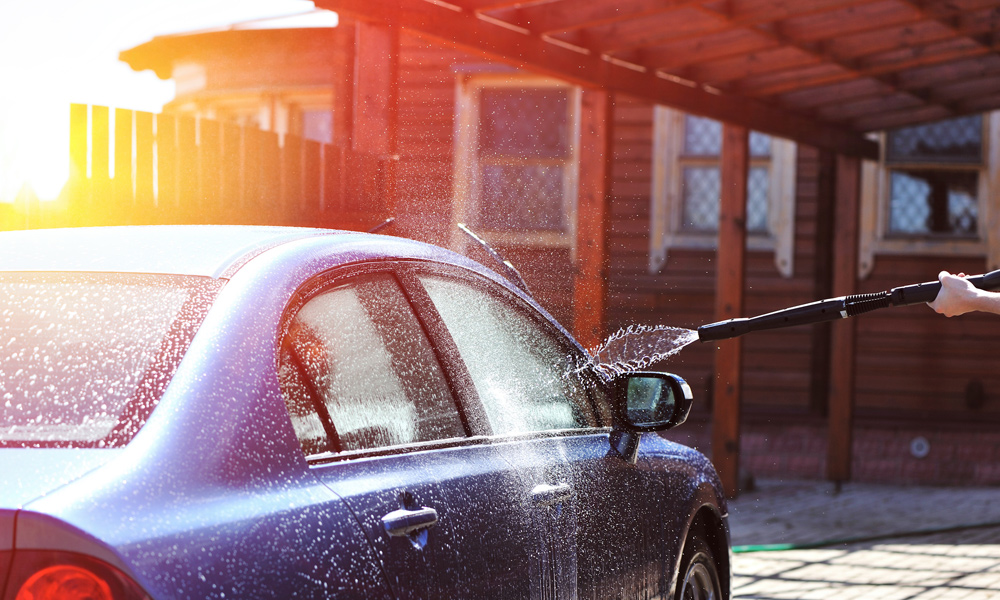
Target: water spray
[(636, 347), (837, 308)]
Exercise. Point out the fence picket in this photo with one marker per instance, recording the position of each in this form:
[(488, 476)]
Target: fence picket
[(189, 197), (122, 183), (209, 170), (269, 179), (166, 167), (312, 182), (290, 206), (250, 176), (170, 169), (101, 200), (232, 153), (145, 199), (78, 189), (333, 188)]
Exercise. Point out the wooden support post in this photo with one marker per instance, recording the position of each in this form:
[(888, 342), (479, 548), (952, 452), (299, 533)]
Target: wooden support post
[(376, 100), (845, 277), (730, 277), (819, 369), (592, 213)]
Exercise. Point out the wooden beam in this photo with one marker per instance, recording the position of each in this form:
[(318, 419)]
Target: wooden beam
[(730, 279), (592, 216), (849, 91), (763, 12), (466, 31), (859, 20), (671, 56), (343, 92), (842, 355), (820, 54), (375, 129), (782, 57), (950, 18), (873, 67), (901, 118), (567, 15), (375, 98), (847, 110), (733, 19), (659, 29)]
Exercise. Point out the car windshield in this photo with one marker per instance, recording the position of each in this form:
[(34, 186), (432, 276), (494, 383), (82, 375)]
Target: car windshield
[(85, 356)]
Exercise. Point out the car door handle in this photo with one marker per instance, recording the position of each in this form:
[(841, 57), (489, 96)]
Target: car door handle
[(404, 522), (544, 494)]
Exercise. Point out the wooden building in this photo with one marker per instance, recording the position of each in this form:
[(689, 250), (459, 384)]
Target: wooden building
[(680, 162)]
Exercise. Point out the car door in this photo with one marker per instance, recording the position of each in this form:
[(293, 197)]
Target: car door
[(548, 415), (377, 417)]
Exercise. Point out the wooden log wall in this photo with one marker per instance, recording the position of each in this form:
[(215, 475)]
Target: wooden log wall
[(429, 75), (912, 366), (915, 366), (777, 364)]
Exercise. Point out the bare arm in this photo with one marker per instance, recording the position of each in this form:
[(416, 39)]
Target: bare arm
[(958, 296)]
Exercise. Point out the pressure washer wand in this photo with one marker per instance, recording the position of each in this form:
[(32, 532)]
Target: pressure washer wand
[(837, 308)]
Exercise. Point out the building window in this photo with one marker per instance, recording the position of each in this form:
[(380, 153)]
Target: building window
[(317, 125), (516, 158), (687, 186), (929, 193), (934, 178)]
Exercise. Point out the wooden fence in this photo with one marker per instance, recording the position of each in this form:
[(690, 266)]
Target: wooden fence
[(147, 168)]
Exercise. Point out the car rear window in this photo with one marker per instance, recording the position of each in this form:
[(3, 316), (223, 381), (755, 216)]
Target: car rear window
[(84, 357)]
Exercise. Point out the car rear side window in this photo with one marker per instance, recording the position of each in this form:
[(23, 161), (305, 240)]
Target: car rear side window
[(359, 349), (524, 374)]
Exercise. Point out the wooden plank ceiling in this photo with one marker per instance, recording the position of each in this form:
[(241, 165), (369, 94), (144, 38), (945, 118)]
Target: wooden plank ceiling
[(822, 72)]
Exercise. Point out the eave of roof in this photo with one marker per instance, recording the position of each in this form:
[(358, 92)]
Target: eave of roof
[(162, 52), (822, 72)]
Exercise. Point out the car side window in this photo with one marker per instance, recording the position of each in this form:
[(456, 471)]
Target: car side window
[(524, 375), (359, 349)]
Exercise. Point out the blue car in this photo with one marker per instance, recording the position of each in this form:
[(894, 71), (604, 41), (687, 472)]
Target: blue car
[(261, 412)]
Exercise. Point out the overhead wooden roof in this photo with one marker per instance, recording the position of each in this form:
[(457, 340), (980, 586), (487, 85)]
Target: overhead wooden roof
[(822, 72)]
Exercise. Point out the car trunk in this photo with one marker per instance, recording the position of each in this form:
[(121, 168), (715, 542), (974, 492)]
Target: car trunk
[(28, 473)]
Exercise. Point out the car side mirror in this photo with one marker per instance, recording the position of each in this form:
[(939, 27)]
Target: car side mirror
[(646, 401), (652, 401)]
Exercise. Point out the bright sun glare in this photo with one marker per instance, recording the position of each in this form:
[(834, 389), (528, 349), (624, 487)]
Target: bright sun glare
[(64, 51)]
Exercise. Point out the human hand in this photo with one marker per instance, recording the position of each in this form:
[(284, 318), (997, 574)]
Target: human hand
[(957, 295)]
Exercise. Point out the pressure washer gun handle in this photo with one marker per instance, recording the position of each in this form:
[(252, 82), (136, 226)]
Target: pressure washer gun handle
[(928, 291)]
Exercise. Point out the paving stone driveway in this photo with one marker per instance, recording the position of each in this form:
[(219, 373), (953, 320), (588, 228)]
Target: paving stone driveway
[(957, 564), (890, 542)]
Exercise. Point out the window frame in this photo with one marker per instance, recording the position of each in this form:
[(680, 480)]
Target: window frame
[(463, 391), (874, 236), (667, 200), (466, 159), (329, 280), (546, 326)]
